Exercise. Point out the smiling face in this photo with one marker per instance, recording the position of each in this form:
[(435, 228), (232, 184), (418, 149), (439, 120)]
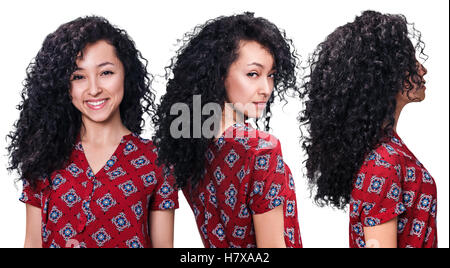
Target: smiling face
[(97, 85), (250, 79)]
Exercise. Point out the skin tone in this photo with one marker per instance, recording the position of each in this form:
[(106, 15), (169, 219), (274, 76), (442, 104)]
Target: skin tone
[(97, 89), (416, 94), (33, 237), (249, 84), (385, 235), (382, 236)]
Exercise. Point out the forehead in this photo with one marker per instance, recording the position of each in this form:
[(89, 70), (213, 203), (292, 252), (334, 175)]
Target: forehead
[(96, 53), (253, 52)]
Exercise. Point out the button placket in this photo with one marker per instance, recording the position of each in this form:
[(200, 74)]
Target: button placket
[(88, 188)]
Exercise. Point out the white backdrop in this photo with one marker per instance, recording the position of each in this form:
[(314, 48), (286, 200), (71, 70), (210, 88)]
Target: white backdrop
[(155, 27)]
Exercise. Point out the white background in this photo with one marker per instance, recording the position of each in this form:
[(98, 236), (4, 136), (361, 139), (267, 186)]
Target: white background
[(155, 27)]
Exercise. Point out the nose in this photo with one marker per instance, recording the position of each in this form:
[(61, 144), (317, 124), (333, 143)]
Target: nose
[(424, 70), (94, 88), (266, 87)]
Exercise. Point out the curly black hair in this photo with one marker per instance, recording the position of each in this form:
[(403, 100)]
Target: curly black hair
[(350, 98), (49, 123), (200, 67)]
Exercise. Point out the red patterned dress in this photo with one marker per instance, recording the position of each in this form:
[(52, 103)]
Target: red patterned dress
[(108, 209), (245, 175), (393, 183)]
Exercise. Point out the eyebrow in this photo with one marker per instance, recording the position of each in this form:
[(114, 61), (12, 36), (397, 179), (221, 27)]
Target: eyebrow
[(259, 65), (100, 65)]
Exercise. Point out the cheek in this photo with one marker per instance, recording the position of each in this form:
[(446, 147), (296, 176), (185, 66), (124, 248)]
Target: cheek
[(119, 91), (272, 86), (115, 87), (76, 94), (239, 90)]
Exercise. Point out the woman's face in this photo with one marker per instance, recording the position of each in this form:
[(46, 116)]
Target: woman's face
[(417, 93), (250, 79), (97, 85)]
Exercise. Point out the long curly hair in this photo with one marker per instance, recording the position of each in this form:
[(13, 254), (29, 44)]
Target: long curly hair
[(199, 68), (350, 98), (49, 123)]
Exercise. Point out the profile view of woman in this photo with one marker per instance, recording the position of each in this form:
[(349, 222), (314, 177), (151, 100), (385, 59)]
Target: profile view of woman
[(89, 179), (360, 79), (236, 182)]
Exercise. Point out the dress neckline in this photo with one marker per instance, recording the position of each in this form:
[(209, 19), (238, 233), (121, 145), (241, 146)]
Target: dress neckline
[(125, 138)]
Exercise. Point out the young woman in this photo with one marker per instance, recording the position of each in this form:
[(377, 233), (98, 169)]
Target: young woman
[(236, 182), (89, 179), (361, 77)]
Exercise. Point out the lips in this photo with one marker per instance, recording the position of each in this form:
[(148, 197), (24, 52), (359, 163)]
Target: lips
[(423, 85), (260, 105), (96, 104)]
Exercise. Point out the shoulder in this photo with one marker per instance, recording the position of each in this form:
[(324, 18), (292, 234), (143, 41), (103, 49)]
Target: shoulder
[(388, 153), (146, 154), (140, 141), (143, 145), (252, 140), (382, 165)]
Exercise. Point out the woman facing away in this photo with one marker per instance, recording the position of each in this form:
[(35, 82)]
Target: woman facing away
[(233, 176), (89, 179), (361, 77)]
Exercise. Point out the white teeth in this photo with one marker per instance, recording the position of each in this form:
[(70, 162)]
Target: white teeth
[(96, 103)]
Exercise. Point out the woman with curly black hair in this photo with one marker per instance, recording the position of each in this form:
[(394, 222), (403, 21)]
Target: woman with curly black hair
[(83, 104), (235, 180), (361, 77)]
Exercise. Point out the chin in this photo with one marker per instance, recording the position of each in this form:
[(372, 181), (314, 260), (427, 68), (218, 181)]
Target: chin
[(101, 116), (256, 113), (421, 99), (98, 118), (253, 115)]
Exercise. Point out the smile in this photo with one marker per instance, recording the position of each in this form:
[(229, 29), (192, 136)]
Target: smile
[(97, 104)]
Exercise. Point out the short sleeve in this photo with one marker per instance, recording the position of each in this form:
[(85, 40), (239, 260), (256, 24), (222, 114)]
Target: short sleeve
[(33, 195), (376, 197), (165, 196), (269, 180)]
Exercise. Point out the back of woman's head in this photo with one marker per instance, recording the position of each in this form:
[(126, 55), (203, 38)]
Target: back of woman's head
[(355, 75), (49, 124), (200, 68)]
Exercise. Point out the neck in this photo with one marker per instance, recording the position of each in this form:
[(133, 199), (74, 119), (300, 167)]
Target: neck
[(398, 110), (105, 132)]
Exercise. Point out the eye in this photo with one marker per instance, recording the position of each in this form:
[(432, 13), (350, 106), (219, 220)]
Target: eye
[(252, 74), (272, 75), (107, 73), (77, 77)]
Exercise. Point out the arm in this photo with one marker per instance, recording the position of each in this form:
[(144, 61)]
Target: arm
[(161, 228), (33, 227), (269, 228), (382, 236), (378, 190)]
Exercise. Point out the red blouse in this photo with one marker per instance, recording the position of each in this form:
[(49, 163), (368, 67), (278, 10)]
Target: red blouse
[(108, 209), (245, 175), (393, 183)]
